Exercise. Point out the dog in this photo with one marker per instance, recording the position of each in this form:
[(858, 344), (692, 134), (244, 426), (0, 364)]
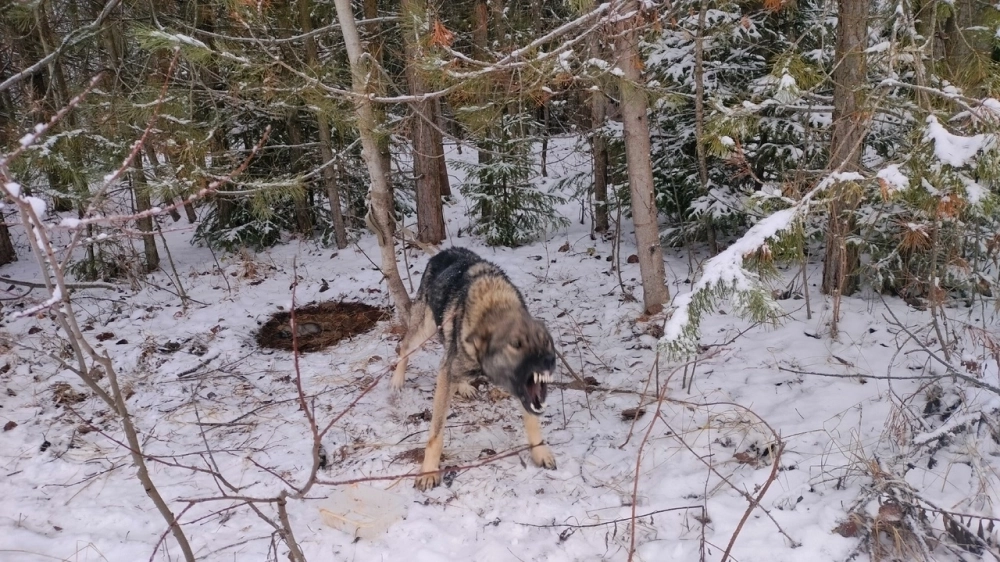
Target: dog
[(481, 319)]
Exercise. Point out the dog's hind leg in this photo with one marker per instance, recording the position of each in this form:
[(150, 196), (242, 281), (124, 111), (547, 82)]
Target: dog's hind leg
[(435, 443), (540, 452), (419, 329)]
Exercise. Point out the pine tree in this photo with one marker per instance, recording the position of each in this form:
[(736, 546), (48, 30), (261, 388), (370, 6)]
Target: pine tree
[(635, 122), (511, 211)]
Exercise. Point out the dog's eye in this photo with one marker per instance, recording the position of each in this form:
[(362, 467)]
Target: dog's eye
[(516, 344)]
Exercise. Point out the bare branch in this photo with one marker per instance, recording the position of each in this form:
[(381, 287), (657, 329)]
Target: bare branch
[(71, 286), (40, 129), (70, 40)]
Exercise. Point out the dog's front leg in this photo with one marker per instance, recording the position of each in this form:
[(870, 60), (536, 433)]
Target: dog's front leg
[(432, 454), (420, 327), (540, 452)]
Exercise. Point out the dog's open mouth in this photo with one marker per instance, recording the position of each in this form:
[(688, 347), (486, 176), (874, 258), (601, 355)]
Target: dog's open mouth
[(536, 390)]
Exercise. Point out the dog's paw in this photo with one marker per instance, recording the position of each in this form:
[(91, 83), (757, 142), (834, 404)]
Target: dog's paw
[(427, 481), (397, 382), (466, 390), (543, 457)]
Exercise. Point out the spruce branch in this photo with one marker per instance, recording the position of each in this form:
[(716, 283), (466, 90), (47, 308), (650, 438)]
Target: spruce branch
[(725, 275)]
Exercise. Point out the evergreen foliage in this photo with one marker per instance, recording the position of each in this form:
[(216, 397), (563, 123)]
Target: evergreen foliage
[(510, 209), (925, 219)]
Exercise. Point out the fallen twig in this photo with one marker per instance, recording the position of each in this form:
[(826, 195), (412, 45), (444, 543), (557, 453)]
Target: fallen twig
[(71, 286), (613, 521)]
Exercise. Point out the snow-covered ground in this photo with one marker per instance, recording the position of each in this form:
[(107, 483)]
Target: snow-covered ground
[(68, 489)]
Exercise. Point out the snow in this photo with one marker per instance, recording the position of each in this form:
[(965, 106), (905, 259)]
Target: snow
[(37, 206), (894, 177), (949, 426), (599, 63), (837, 177), (727, 269), (879, 47), (565, 58), (788, 90), (179, 38), (989, 109), (973, 190), (13, 188), (53, 299), (954, 150), (69, 491)]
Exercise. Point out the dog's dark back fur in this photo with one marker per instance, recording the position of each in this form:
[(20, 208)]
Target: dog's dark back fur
[(446, 273)]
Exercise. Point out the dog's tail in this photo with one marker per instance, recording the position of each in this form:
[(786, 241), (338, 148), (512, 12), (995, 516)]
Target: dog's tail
[(409, 236)]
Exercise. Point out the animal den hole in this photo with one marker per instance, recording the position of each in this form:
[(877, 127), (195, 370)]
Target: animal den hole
[(320, 326)]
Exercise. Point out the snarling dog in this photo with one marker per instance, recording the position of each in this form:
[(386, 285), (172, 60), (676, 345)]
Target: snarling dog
[(482, 321)]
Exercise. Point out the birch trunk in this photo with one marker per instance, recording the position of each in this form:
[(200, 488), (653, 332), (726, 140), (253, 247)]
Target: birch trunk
[(381, 209)]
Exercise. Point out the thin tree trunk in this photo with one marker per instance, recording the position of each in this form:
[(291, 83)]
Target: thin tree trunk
[(7, 253), (480, 42), (445, 181), (303, 212), (286, 13), (218, 143), (331, 183), (325, 138), (634, 106), (168, 198), (189, 210), (72, 148), (545, 139), (537, 15), (599, 146), (699, 120), (7, 120), (427, 149), (840, 267), (44, 103), (370, 11), (967, 49), (381, 210), (140, 189)]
